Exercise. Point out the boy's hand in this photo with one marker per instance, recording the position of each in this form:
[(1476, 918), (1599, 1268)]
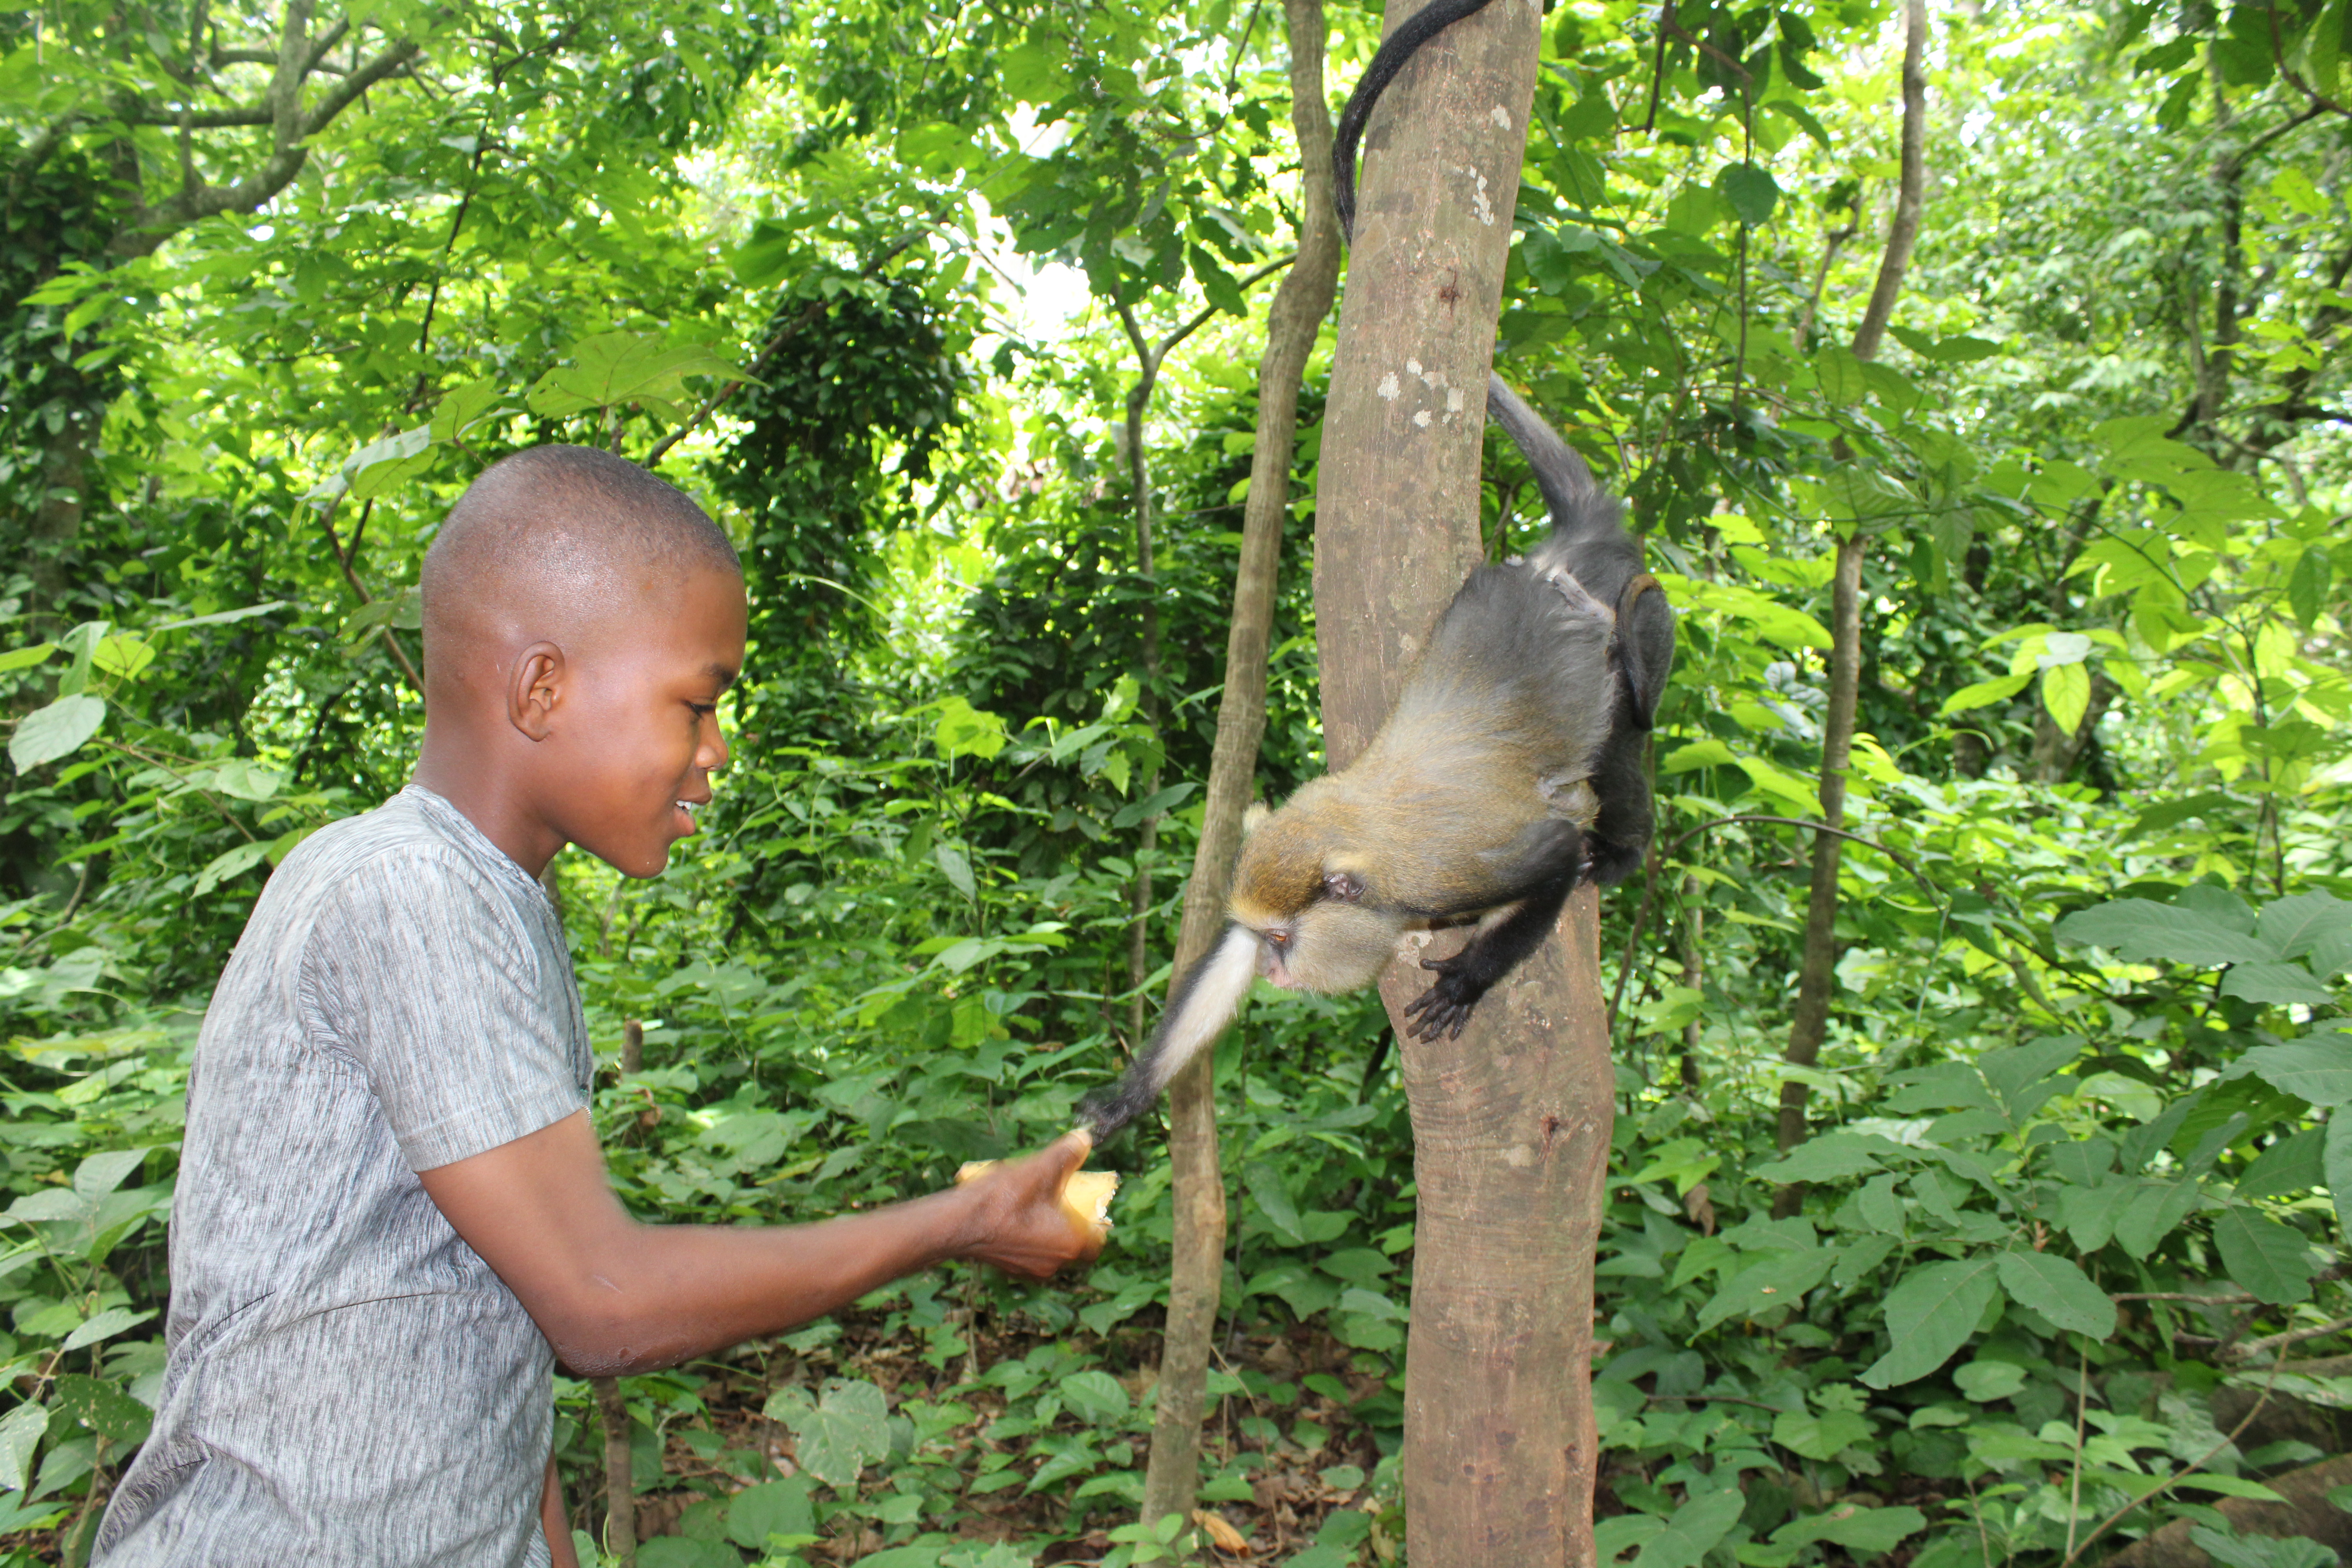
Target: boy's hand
[(1017, 1220)]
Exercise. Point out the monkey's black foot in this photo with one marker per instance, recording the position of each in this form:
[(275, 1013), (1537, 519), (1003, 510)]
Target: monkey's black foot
[(1443, 1010)]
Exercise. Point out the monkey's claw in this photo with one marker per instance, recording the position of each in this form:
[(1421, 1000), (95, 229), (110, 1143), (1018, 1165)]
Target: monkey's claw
[(1443, 1010)]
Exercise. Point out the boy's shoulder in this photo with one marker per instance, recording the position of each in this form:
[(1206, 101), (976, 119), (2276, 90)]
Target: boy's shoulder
[(414, 848)]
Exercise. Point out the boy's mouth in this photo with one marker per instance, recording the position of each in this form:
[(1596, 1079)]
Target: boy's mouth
[(687, 809)]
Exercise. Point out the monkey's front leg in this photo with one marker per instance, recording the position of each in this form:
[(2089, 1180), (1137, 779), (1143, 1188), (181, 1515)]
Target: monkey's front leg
[(1494, 952)]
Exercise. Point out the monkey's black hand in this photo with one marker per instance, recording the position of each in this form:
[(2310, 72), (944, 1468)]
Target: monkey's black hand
[(1441, 1011)]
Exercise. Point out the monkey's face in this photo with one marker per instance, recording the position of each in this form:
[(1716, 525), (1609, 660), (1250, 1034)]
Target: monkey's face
[(1329, 947)]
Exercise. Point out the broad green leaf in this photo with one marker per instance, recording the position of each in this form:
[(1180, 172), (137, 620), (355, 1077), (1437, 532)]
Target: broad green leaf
[(1819, 1437), (2139, 931), (1827, 1159), (233, 863), (771, 1508), (1780, 1280), (1865, 1530), (2318, 1068), (2336, 1159), (956, 869), (1984, 693), (1930, 1315), (2155, 1211), (1273, 1200), (94, 1405), (105, 1326), (2066, 693), (2279, 985), (2258, 1551), (57, 731), (20, 1435), (101, 1173), (1096, 1397), (26, 658), (1986, 1380), (2089, 1214), (1693, 1531), (839, 1433), (2306, 586), (2296, 925), (1751, 191), (2292, 1164), (2262, 1255), (2058, 1291), (964, 731)]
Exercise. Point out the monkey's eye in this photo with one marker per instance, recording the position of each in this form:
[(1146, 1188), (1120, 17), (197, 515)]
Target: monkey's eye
[(1279, 939)]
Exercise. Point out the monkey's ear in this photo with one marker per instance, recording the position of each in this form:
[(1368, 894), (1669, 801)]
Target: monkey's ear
[(1645, 642), (1344, 885), (1254, 818)]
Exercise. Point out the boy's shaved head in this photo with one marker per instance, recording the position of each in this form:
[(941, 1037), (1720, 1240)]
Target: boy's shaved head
[(558, 536)]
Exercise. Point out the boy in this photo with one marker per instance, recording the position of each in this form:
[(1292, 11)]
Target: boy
[(392, 1218)]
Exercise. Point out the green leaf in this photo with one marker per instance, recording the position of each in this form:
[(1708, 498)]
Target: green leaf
[(2280, 984), (1930, 1316), (105, 1326), (2306, 586), (97, 1406), (1751, 191), (2294, 926), (2058, 1291), (1273, 1199), (1829, 1158), (20, 1435), (1984, 693), (1819, 1437), (2139, 931), (2066, 693), (1693, 1531), (1780, 1280), (2155, 1211), (26, 658), (57, 731), (233, 863), (2336, 1159), (2290, 1165), (956, 869), (771, 1508), (2318, 1068), (841, 1432), (1856, 1529), (2263, 1257), (1097, 1397)]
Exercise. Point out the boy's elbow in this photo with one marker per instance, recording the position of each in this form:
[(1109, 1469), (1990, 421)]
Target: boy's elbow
[(604, 1338)]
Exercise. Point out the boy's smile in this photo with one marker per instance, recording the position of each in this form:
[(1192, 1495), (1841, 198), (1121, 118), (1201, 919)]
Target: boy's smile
[(633, 736)]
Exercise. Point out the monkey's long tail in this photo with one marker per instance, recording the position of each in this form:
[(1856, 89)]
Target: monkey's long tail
[(1578, 505), (1204, 1002)]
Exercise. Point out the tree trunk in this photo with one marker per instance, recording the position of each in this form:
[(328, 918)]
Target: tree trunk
[(620, 1476), (1511, 1123), (1196, 1279), (1817, 973)]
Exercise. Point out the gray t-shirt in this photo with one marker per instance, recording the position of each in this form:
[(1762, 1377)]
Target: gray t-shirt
[(348, 1382)]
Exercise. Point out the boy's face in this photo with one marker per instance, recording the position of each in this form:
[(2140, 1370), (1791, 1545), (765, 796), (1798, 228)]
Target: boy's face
[(637, 736)]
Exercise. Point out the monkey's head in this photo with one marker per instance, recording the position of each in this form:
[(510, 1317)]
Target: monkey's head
[(1304, 894)]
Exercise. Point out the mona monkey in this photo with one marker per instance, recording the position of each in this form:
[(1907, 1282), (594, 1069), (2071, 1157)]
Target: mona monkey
[(1514, 767)]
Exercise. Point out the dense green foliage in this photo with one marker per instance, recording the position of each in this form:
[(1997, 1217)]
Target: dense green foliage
[(2073, 1187)]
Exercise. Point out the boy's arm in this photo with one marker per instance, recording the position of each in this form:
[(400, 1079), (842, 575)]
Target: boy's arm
[(614, 1296), (553, 1525)]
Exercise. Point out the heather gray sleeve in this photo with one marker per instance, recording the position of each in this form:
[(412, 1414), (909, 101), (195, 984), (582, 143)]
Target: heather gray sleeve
[(454, 996)]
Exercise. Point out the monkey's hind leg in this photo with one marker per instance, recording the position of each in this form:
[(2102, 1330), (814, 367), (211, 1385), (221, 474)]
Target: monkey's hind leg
[(1443, 1010)]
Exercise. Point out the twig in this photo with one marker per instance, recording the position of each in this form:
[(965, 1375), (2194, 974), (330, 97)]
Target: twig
[(2174, 1479), (327, 521), (1925, 886)]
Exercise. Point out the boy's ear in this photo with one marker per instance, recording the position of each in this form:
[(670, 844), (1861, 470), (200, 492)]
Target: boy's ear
[(535, 689)]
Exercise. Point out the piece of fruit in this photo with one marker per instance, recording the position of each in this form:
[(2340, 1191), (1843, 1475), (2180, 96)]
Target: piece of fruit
[(1085, 1194)]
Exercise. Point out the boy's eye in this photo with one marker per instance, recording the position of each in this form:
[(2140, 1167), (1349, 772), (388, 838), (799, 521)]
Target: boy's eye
[(703, 710)]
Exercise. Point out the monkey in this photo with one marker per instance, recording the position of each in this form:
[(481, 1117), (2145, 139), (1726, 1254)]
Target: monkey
[(1513, 768)]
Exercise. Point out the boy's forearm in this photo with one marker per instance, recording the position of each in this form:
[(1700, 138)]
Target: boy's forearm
[(614, 1296), (661, 1295)]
